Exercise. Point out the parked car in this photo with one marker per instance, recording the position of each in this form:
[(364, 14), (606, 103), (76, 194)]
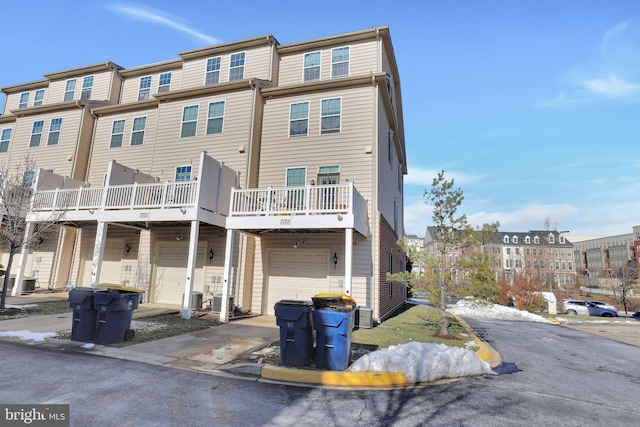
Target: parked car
[(604, 305), (574, 307), (636, 313)]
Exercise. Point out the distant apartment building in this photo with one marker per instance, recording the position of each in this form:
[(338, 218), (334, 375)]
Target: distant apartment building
[(546, 254), (252, 171)]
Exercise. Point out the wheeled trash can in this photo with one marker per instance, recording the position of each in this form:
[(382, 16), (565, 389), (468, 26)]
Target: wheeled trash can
[(296, 332), (114, 313)]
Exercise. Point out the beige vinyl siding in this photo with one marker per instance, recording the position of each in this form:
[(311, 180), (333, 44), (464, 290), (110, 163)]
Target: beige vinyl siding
[(48, 156), (131, 85), (345, 149), (115, 89), (254, 145), (171, 150), (388, 175), (134, 156), (256, 66), (12, 100), (81, 160), (40, 262), (64, 256), (363, 59), (102, 87)]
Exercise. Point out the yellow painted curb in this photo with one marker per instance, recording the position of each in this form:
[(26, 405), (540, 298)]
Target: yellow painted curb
[(334, 378), (483, 352)]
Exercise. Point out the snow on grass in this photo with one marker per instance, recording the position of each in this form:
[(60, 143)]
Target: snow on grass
[(28, 335), (493, 311), (423, 362)]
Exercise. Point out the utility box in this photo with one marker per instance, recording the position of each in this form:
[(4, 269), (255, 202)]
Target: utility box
[(216, 304), (364, 317)]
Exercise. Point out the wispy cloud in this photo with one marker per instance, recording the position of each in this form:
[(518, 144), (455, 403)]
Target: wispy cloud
[(613, 73), (419, 176), (161, 18)]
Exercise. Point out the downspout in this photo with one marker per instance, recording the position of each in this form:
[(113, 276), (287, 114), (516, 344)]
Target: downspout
[(374, 207)]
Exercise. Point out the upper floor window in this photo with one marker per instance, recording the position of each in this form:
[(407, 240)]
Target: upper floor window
[(36, 133), (536, 240), (514, 239), (54, 131), (38, 98), (311, 67), (117, 133), (299, 119), (5, 137), (144, 90), (212, 75), (527, 239), (330, 121), (24, 100), (70, 90), (236, 66), (137, 132), (87, 85), (552, 238), (340, 61), (215, 117), (562, 240), (189, 121), (27, 178), (164, 84), (505, 239), (183, 173)]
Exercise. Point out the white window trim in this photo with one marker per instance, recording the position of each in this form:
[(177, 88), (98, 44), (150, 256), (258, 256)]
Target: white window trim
[(305, 68), (308, 120), (244, 65), (321, 116), (182, 121), (37, 133), (175, 172), (8, 140), (59, 131), (26, 104), (146, 89), (41, 101), (348, 62), (75, 87), (224, 101), (144, 131), (286, 173), (90, 88), (111, 133), (161, 85)]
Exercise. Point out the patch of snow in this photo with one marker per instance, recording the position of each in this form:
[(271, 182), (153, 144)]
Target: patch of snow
[(21, 306), (493, 311), (28, 335), (88, 345), (142, 325), (423, 362)]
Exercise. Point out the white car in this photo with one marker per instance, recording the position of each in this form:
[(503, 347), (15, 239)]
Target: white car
[(604, 305)]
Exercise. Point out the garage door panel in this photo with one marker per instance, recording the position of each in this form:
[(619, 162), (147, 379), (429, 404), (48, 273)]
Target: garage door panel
[(171, 272)]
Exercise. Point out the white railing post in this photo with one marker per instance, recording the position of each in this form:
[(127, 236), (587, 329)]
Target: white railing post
[(133, 195), (307, 199), (165, 190), (268, 207), (79, 198), (54, 203)]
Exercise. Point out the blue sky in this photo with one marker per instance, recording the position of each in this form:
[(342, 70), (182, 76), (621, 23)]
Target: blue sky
[(532, 106)]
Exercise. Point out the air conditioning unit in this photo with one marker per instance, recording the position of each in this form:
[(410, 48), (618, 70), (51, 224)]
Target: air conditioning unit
[(364, 317), (196, 300), (217, 304)]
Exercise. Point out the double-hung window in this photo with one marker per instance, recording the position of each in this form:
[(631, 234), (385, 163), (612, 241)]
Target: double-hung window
[(87, 85), (212, 75), (38, 98), (70, 90), (117, 133), (36, 133), (340, 62), (299, 119), (236, 66), (189, 121), (54, 131), (137, 132), (330, 121), (24, 100), (27, 178), (5, 137), (164, 84), (144, 90), (311, 67), (215, 117)]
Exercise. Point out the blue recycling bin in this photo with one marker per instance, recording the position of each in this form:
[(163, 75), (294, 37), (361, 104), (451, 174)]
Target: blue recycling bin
[(296, 332), (114, 313), (83, 327), (333, 328)]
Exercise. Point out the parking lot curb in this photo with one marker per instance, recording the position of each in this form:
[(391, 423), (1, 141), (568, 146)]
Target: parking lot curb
[(334, 378), (485, 351)]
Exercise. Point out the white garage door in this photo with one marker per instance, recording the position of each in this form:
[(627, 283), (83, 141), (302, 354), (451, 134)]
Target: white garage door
[(296, 275), (171, 272)]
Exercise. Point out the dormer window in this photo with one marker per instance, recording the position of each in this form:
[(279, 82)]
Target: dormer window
[(536, 240), (514, 239), (505, 239), (527, 239), (552, 238), (562, 240)]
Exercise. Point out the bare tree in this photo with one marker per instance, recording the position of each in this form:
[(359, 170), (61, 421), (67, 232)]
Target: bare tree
[(626, 276), (16, 233)]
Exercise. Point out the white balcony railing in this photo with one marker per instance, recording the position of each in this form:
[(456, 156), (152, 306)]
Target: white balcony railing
[(115, 197), (307, 200)]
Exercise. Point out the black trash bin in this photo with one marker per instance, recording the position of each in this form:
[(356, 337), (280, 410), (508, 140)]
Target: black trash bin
[(114, 313), (83, 327), (296, 332), (333, 328)]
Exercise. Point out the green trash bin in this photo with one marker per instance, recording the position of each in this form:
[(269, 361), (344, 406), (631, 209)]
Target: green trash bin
[(114, 313)]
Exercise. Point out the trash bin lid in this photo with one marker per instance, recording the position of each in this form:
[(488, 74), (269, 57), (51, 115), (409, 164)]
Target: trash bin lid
[(293, 302), (333, 299), (118, 288)]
